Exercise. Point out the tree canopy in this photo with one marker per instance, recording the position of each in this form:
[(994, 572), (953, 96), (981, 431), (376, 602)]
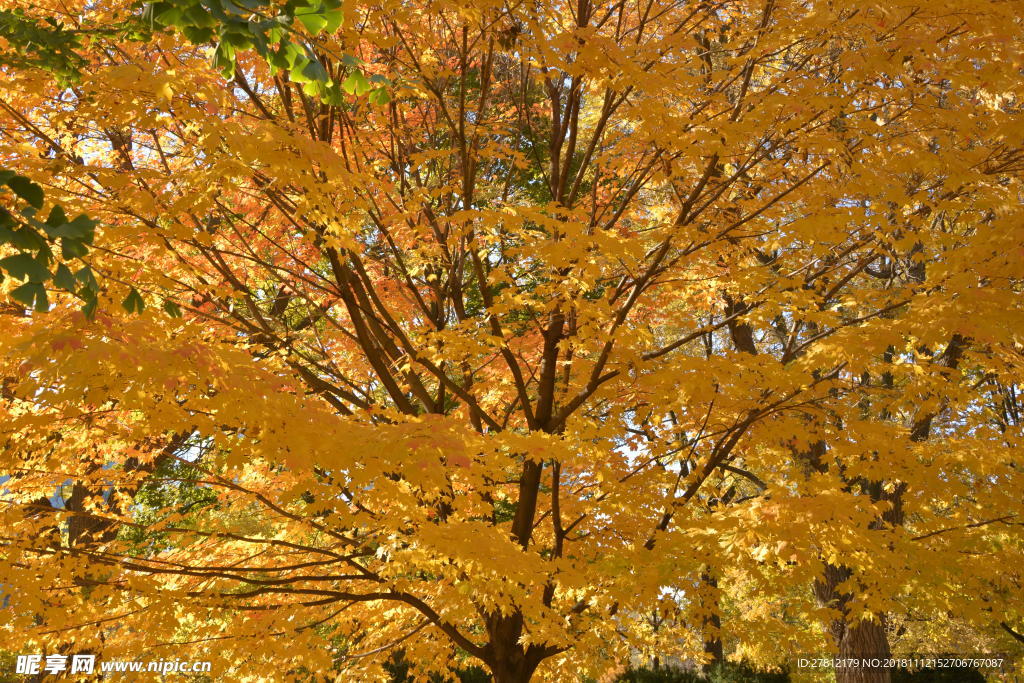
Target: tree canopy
[(539, 336)]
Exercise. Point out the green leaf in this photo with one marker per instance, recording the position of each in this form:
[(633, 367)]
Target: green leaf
[(312, 17), (233, 8), (87, 279), (239, 40), (356, 83), (27, 238), (198, 35), (297, 73), (172, 309), (32, 295), (195, 15), (169, 17), (82, 228), (315, 71), (63, 278), (333, 96), (224, 59), (72, 248), (278, 59), (133, 303), (291, 55), (27, 190), (275, 34), (335, 18), (56, 217), (379, 96), (24, 267), (89, 307)]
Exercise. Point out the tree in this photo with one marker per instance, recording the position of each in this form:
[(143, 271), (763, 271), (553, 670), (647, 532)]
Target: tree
[(536, 335)]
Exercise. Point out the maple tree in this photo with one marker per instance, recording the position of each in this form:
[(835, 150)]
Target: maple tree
[(535, 335)]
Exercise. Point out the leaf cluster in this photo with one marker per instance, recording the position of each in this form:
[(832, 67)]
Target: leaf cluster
[(35, 261)]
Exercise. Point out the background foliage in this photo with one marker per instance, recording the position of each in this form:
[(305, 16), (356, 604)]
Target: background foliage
[(532, 340)]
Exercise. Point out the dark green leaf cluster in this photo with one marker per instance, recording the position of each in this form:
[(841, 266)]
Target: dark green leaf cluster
[(36, 244), (238, 25), (48, 44), (233, 26), (173, 486), (34, 241)]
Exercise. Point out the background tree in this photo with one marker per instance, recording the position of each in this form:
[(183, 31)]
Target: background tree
[(594, 307)]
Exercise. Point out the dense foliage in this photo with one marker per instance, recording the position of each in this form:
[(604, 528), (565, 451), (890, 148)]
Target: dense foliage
[(538, 338)]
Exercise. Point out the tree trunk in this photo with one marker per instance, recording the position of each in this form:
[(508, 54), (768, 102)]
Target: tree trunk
[(513, 672), (861, 642), (712, 623), (508, 661), (864, 641)]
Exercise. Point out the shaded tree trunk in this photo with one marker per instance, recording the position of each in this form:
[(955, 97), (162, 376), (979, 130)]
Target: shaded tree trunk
[(712, 626), (509, 661), (519, 671), (865, 640)]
